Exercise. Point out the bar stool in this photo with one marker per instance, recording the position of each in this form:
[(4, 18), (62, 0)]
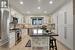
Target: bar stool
[(53, 45)]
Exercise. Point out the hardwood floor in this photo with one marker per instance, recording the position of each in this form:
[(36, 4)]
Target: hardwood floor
[(61, 46), (21, 45), (4, 47)]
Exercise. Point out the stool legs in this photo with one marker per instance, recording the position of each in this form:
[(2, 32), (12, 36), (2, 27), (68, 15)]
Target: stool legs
[(53, 45)]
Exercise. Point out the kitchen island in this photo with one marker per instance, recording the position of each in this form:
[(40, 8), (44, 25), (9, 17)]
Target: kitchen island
[(40, 40)]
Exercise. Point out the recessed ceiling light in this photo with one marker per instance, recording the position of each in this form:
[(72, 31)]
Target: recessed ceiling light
[(39, 0), (28, 12), (21, 2), (45, 11), (51, 2), (38, 7)]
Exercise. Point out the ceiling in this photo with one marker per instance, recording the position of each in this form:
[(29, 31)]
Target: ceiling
[(30, 6)]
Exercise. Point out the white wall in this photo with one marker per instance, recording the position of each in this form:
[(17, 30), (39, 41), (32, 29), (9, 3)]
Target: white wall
[(63, 20)]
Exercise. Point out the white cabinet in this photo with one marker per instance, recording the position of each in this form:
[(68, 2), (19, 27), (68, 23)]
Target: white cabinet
[(11, 39), (63, 20)]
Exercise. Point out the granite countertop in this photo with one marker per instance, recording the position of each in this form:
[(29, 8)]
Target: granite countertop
[(46, 35)]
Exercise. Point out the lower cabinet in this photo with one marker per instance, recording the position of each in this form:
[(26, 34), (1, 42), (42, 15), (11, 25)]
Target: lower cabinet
[(12, 39)]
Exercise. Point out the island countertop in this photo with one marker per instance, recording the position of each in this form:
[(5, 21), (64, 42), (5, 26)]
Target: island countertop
[(40, 32), (46, 35)]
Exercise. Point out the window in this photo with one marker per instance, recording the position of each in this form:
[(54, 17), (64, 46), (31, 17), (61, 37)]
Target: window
[(37, 31), (34, 21), (37, 20)]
